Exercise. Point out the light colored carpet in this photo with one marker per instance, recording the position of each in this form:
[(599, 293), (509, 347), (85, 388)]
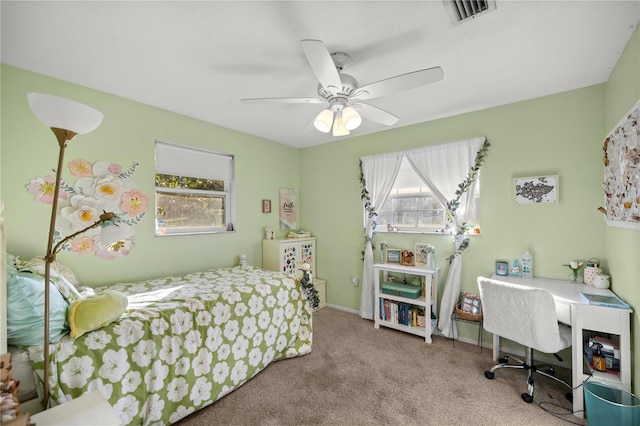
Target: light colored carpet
[(357, 375)]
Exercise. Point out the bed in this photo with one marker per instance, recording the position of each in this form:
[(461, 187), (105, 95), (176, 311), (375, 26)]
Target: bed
[(179, 343)]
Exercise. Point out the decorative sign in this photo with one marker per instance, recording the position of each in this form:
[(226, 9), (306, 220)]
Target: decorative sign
[(287, 208), (536, 190), (622, 172)]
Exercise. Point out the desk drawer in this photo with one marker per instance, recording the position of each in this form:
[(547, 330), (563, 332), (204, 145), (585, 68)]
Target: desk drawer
[(563, 310)]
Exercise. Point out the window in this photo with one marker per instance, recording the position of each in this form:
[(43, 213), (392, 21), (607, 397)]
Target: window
[(194, 190), (412, 207)]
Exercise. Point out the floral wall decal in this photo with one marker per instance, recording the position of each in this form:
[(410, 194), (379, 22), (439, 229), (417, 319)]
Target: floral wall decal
[(101, 186)]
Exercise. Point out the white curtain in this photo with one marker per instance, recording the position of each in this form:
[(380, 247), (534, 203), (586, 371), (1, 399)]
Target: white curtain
[(443, 168), (380, 172)]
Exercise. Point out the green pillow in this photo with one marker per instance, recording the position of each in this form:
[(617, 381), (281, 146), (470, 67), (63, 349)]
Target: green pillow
[(25, 310), (96, 311)]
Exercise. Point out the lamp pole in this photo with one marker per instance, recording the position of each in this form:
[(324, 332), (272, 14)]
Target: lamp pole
[(63, 136)]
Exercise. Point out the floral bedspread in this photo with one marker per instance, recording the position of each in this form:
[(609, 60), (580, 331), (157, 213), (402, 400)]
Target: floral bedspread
[(183, 343)]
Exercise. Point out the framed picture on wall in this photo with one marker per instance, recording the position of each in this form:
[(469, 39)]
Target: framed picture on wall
[(393, 255), (266, 206), (536, 190), (287, 208)]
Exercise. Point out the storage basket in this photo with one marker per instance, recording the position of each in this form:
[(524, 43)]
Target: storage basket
[(467, 316)]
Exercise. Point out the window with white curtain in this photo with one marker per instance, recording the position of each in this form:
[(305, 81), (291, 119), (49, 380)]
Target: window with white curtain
[(412, 207), (194, 190)]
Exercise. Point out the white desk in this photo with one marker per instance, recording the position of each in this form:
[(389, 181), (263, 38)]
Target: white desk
[(574, 311)]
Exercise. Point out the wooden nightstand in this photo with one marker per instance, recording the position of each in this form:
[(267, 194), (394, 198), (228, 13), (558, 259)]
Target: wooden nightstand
[(90, 409)]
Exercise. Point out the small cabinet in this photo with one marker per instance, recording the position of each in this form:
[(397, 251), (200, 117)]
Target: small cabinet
[(399, 312), (288, 254)]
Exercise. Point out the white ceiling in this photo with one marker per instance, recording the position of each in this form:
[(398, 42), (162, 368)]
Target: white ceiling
[(200, 58)]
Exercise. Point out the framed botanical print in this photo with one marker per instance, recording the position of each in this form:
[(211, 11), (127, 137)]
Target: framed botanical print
[(536, 190)]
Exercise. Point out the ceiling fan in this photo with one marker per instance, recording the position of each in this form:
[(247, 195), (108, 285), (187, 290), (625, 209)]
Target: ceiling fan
[(344, 96)]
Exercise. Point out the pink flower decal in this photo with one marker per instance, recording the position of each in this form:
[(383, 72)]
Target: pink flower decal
[(43, 188), (112, 251), (114, 168), (80, 167), (134, 203), (82, 245)]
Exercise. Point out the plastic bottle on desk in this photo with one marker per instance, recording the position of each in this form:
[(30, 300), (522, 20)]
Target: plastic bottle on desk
[(527, 265)]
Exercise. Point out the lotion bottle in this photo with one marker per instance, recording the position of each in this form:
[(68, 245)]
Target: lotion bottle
[(527, 265)]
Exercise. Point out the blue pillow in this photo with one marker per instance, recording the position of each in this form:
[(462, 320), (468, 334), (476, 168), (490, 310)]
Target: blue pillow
[(25, 311)]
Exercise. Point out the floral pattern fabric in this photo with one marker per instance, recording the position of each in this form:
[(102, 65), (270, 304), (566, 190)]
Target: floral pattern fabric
[(183, 343)]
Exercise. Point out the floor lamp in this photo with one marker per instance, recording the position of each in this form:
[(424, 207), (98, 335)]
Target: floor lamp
[(67, 118)]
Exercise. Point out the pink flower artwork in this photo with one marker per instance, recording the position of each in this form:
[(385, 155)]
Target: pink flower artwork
[(134, 203), (80, 167), (43, 188), (112, 251), (101, 186), (114, 168), (82, 245)]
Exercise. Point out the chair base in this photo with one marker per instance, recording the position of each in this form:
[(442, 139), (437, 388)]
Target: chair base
[(545, 370)]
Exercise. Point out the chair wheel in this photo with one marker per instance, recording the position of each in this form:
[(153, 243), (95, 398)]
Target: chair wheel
[(489, 374), (503, 360), (527, 398)]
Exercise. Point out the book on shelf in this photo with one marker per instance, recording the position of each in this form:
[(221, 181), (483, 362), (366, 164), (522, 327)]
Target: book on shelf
[(400, 312)]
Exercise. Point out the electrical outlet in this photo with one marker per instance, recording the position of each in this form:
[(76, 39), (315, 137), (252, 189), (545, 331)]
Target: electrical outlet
[(354, 281)]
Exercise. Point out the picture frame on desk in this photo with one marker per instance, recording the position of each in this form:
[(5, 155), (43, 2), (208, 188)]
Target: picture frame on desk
[(422, 255), (392, 255)]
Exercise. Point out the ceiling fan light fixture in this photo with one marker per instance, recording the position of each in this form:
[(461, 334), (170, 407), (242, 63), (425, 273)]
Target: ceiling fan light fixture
[(351, 118), (324, 120), (338, 126)]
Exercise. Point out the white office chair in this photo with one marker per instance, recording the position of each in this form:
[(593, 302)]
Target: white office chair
[(527, 316)]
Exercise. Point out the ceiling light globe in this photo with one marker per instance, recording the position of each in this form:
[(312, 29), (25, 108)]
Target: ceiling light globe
[(324, 120), (351, 118), (338, 126)]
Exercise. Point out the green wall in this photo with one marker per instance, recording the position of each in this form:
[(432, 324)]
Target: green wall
[(128, 133), (560, 134), (623, 245)]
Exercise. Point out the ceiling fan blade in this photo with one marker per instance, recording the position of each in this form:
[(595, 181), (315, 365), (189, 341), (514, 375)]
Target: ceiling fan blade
[(322, 65), (399, 83), (376, 114), (282, 101)]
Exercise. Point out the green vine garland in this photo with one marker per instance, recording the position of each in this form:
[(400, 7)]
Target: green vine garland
[(463, 187), (369, 208), (310, 291)]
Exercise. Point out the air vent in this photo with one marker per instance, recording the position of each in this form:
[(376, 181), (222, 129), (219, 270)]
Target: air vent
[(463, 10)]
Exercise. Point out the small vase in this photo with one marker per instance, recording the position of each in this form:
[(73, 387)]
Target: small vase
[(574, 277)]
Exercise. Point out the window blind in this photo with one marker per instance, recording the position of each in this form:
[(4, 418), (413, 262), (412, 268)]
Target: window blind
[(180, 160)]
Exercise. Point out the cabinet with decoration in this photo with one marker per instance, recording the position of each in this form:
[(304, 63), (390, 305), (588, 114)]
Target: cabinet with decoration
[(288, 254), (409, 308)]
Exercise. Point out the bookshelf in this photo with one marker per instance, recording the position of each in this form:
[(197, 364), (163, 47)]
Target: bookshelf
[(401, 312)]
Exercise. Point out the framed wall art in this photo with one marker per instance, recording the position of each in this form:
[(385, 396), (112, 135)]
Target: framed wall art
[(622, 172), (266, 206), (536, 190), (393, 255), (287, 208)]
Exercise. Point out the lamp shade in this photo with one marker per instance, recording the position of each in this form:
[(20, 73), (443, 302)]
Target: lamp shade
[(338, 126), (351, 118), (63, 113), (324, 120), (110, 234)]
